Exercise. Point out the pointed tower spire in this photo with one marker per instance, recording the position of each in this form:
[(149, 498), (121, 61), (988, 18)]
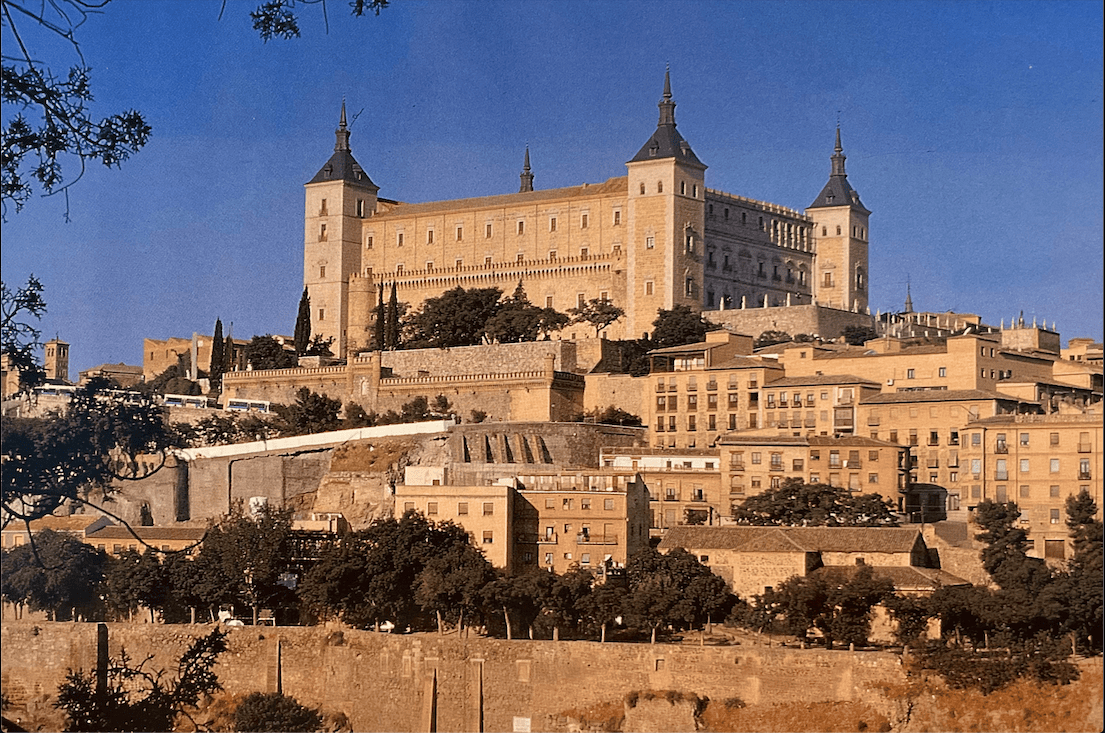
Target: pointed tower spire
[(667, 106), (526, 175), (838, 192), (342, 133), (908, 298), (838, 156)]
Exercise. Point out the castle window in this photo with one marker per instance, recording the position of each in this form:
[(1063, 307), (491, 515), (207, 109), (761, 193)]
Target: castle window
[(688, 287), (459, 264), (521, 226), (617, 248), (487, 231), (583, 221), (552, 224), (581, 299), (360, 208), (604, 296), (460, 233), (429, 236), (521, 256), (711, 209), (659, 187), (399, 239), (650, 242), (321, 272), (861, 280), (642, 189), (761, 272), (838, 230), (322, 232), (694, 191), (761, 224), (429, 266), (726, 213), (648, 287), (322, 314), (548, 301), (828, 281), (617, 217), (583, 253), (552, 254), (683, 188), (487, 261), (824, 231), (322, 208), (399, 269), (368, 242)]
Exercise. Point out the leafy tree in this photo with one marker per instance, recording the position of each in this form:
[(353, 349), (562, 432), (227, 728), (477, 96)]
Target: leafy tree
[(372, 575), (227, 429), (19, 339), (912, 615), (518, 320), (1082, 580), (611, 416), (518, 597), (218, 355), (599, 313), (835, 601), (64, 458), (303, 324), (672, 589), (243, 558), (278, 19), (137, 699), (265, 352), (858, 335), (1005, 556), (57, 574), (310, 413), (457, 317), (770, 338), (799, 504), (564, 599), (679, 326), (320, 346), (379, 325), (452, 581), (273, 711), (52, 126), (136, 579), (602, 606)]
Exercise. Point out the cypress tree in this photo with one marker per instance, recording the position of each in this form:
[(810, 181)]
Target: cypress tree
[(391, 336), (378, 330), (228, 355), (303, 324), (217, 355)]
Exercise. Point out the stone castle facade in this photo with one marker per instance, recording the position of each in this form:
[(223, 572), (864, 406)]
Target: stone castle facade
[(652, 239)]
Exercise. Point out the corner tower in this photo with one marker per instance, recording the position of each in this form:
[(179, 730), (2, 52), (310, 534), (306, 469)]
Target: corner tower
[(666, 221), (840, 234), (339, 196)]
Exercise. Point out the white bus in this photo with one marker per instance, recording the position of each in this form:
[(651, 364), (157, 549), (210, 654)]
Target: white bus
[(240, 405)]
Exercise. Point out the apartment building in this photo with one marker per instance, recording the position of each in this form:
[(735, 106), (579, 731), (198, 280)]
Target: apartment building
[(1037, 461), (828, 408), (684, 486), (753, 462), (930, 425)]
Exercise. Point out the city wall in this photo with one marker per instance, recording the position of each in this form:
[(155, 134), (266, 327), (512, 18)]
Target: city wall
[(428, 682), (828, 323)]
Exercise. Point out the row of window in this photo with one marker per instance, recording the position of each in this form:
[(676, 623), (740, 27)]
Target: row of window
[(1001, 467), (755, 483), (488, 230), (736, 459), (1001, 441), (697, 362)]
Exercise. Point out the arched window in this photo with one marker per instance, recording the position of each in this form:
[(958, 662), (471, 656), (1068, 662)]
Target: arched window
[(861, 279), (642, 189), (659, 187), (824, 231)]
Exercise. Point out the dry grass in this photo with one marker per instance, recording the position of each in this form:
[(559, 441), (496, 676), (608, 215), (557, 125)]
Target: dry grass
[(844, 717), (368, 457)]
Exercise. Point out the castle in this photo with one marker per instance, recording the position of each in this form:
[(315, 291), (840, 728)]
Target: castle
[(652, 239)]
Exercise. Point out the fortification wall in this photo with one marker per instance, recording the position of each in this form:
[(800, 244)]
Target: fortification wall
[(392, 683), (828, 323)]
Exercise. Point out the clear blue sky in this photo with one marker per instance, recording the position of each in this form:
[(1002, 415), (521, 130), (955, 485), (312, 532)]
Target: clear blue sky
[(973, 132)]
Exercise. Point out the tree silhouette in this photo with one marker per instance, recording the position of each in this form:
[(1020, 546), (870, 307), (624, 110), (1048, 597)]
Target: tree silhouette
[(303, 324)]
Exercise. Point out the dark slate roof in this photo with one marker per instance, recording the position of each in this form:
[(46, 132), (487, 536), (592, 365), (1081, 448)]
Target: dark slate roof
[(838, 192), (666, 142), (903, 577), (342, 166), (798, 539), (818, 380), (938, 395)]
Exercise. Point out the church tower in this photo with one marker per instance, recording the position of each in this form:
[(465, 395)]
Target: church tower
[(339, 196), (840, 233), (665, 223), (56, 360)]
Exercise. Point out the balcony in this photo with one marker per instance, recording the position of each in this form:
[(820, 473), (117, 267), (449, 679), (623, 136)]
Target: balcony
[(1084, 476), (596, 539), (776, 467), (1001, 448), (738, 466)]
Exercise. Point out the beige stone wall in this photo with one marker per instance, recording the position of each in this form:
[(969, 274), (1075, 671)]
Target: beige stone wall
[(160, 354), (820, 320)]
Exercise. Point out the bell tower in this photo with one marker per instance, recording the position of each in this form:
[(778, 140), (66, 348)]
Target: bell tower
[(840, 233), (338, 197), (666, 221)]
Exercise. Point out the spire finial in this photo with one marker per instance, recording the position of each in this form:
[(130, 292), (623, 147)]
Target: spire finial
[(526, 175), (342, 133), (838, 156), (667, 107)]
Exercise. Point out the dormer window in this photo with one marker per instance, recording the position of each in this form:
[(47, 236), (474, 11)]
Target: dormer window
[(654, 148)]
